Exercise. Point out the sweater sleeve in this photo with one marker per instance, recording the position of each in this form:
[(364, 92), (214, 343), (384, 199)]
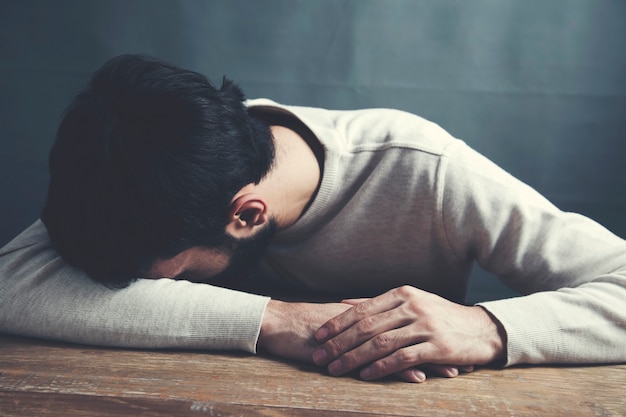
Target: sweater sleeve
[(42, 296), (572, 270)]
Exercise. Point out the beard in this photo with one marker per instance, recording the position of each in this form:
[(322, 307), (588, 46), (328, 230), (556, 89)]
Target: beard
[(245, 255)]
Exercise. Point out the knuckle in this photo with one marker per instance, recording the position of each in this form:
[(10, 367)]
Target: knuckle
[(407, 357), (382, 341), (414, 308), (333, 325), (334, 346), (405, 291), (349, 360), (380, 367), (366, 325), (362, 309), (445, 349)]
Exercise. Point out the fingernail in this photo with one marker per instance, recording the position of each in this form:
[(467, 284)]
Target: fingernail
[(419, 375), (319, 356), (321, 334), (452, 371), (366, 373), (335, 367)]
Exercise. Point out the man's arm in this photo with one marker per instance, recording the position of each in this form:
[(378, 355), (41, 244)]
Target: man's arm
[(42, 296), (572, 268), (575, 268)]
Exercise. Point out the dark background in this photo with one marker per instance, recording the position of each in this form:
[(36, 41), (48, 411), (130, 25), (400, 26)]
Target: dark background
[(539, 86)]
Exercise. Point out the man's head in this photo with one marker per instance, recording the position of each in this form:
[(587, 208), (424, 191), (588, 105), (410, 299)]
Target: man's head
[(146, 163)]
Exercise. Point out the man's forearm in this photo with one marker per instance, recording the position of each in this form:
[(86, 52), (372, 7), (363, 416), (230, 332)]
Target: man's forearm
[(586, 324), (42, 296)]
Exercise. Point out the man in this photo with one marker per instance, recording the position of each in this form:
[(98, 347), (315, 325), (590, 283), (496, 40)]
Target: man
[(157, 174)]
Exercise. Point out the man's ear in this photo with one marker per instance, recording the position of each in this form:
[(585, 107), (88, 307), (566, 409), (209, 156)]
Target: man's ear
[(246, 213)]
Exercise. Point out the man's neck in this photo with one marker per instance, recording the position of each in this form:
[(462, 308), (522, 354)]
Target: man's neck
[(293, 181)]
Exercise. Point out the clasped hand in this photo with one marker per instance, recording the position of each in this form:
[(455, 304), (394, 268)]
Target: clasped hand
[(406, 332)]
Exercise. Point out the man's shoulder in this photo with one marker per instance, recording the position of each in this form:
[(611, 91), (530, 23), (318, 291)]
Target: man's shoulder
[(36, 233), (383, 128), (366, 129)]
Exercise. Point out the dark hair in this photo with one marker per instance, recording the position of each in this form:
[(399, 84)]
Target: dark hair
[(145, 163)]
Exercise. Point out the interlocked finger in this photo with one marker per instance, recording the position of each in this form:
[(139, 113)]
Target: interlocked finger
[(371, 333), (379, 346), (358, 312), (408, 357)]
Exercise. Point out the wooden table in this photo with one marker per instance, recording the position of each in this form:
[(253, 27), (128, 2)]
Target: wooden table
[(54, 379)]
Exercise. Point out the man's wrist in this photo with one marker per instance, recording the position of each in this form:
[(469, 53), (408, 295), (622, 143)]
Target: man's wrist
[(269, 323), (494, 336)]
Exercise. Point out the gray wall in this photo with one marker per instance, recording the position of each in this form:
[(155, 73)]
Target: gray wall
[(539, 86)]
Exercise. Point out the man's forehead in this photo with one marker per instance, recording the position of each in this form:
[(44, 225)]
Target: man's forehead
[(197, 260)]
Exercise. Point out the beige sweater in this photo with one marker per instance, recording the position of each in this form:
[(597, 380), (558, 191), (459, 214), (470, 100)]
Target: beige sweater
[(401, 202)]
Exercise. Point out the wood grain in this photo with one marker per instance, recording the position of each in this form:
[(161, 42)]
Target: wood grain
[(54, 379)]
